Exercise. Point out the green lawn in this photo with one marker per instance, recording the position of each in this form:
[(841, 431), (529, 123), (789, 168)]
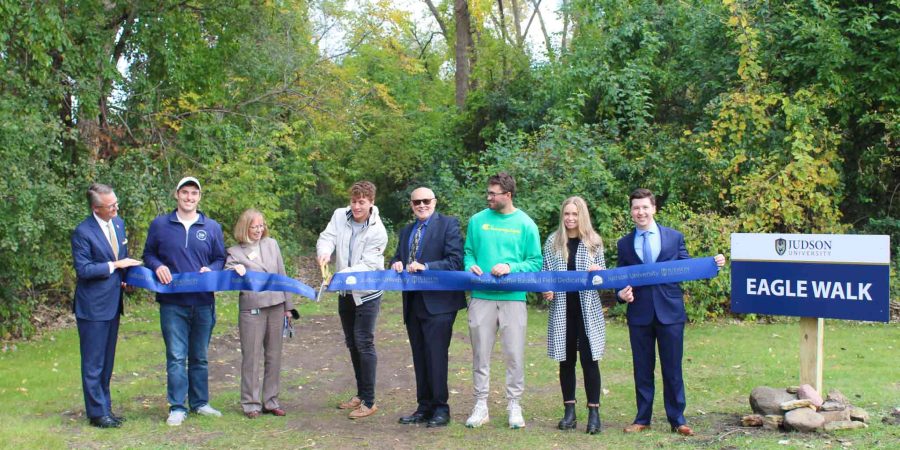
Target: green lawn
[(41, 403)]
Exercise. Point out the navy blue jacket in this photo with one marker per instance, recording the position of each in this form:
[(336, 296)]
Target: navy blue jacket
[(168, 245), (666, 301), (98, 293), (441, 249)]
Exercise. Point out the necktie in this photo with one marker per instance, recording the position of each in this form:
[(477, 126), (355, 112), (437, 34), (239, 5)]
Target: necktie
[(648, 253), (414, 250), (113, 242)]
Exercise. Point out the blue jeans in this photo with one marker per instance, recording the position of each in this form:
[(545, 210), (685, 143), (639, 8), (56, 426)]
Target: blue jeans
[(186, 331)]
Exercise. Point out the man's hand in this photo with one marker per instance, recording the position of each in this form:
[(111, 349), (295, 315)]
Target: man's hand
[(240, 269), (594, 268), (415, 266), (162, 272), (627, 294), (205, 269), (548, 296), (720, 260), (500, 269), (126, 263), (476, 270), (397, 266), (323, 260)]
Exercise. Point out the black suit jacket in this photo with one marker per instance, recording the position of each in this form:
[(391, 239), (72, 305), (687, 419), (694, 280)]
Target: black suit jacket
[(442, 249)]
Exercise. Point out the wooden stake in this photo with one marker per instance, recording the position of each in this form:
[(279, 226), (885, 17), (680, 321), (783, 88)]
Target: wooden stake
[(812, 338)]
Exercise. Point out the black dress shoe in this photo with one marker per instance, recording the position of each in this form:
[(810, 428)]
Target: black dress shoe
[(105, 422), (439, 420), (416, 417), (119, 419)]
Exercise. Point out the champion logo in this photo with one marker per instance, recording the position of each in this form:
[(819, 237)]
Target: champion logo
[(201, 235)]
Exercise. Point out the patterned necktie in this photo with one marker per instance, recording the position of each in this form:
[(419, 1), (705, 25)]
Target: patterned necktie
[(113, 242), (415, 244), (648, 253)]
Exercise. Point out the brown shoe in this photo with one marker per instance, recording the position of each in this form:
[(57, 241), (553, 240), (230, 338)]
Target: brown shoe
[(636, 428), (252, 414), (363, 411), (275, 412), (353, 403), (683, 430)]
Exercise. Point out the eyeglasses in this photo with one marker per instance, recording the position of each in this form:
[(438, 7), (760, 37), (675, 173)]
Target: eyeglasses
[(113, 206), (491, 194), (424, 201), (258, 227)]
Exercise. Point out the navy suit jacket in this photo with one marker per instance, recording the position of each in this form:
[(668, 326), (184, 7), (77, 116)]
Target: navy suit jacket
[(666, 301), (98, 293), (442, 249)]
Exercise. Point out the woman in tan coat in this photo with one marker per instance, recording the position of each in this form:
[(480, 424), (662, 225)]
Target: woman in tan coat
[(262, 315)]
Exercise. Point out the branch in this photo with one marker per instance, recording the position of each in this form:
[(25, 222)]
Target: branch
[(437, 17)]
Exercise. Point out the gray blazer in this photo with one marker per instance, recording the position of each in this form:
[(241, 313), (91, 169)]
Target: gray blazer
[(268, 260)]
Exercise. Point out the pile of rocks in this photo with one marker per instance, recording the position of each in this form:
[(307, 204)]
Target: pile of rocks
[(803, 409)]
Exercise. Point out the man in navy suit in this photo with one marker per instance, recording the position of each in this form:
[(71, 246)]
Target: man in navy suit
[(431, 242), (656, 315), (100, 256)]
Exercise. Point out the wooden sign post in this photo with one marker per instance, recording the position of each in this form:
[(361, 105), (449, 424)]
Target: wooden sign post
[(812, 339)]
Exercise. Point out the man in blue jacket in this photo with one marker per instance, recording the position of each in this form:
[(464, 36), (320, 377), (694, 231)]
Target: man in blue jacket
[(100, 257), (431, 242), (656, 315), (185, 240)]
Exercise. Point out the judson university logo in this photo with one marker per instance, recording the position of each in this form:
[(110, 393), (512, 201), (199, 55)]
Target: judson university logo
[(780, 246)]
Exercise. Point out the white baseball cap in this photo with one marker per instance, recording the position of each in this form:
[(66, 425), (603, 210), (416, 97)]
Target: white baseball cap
[(188, 180)]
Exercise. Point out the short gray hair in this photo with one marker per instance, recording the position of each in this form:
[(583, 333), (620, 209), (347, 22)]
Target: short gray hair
[(94, 191)]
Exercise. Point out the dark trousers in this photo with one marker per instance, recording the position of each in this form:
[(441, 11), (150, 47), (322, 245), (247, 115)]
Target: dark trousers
[(359, 333), (670, 340), (97, 340), (429, 337), (577, 341)]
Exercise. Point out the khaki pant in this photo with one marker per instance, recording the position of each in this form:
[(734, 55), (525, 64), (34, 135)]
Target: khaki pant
[(485, 318), (261, 342)]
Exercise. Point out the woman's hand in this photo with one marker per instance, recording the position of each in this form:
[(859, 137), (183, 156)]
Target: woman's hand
[(240, 269), (548, 296), (594, 268)]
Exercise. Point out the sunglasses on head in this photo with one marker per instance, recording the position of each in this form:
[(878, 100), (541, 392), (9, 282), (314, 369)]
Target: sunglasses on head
[(425, 201)]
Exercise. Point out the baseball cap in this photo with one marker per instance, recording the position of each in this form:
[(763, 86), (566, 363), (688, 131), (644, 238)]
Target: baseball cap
[(188, 180)]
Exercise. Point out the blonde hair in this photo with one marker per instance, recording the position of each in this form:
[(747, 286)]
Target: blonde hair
[(242, 227), (589, 237)]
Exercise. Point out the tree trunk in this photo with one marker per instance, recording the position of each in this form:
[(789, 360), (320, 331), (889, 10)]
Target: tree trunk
[(463, 46)]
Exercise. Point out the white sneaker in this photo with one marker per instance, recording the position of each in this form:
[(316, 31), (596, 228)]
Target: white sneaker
[(515, 415), (479, 415), (176, 417), (207, 410)]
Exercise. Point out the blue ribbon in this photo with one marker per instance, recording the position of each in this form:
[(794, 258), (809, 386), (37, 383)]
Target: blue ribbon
[(227, 280), (562, 281)]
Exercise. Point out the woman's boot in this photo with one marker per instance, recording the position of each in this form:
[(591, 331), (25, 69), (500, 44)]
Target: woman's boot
[(593, 425), (568, 422)]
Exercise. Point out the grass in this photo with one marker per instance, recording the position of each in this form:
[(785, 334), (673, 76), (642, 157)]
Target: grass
[(41, 403)]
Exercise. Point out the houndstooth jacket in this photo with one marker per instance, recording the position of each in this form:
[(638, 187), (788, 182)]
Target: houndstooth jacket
[(591, 309)]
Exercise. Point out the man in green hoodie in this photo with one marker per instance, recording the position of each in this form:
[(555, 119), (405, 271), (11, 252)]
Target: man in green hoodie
[(502, 240)]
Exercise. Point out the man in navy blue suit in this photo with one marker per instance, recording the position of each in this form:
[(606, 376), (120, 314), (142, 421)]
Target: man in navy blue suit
[(656, 315), (431, 242), (100, 257)]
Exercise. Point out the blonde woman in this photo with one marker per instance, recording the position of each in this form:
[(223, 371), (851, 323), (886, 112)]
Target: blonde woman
[(261, 317), (576, 318)]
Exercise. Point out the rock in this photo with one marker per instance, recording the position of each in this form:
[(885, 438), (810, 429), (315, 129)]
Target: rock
[(794, 404), (773, 422), (767, 400), (835, 395), (752, 420), (836, 416), (803, 419), (831, 405), (792, 389), (810, 393), (844, 425), (859, 415)]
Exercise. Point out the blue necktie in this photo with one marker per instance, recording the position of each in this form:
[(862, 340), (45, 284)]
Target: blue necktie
[(648, 253)]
